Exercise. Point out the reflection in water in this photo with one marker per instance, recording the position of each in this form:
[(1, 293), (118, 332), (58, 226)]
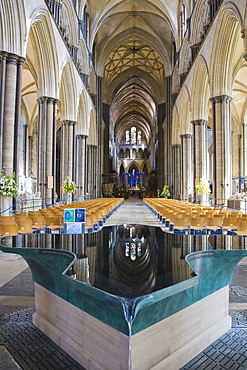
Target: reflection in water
[(129, 260), (132, 266)]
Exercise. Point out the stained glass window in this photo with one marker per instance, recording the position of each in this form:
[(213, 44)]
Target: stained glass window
[(133, 135), (123, 179), (139, 137), (127, 137), (133, 251)]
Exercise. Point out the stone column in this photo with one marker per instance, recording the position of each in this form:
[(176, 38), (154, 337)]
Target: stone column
[(176, 171), (186, 152), (200, 149), (222, 148), (2, 98), (106, 138), (245, 155), (64, 152), (162, 147), (240, 162), (46, 147), (167, 129), (10, 102), (18, 128), (89, 165), (99, 161), (92, 168), (67, 149), (80, 163), (70, 147)]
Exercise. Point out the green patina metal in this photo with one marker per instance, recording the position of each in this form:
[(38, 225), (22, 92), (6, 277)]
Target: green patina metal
[(214, 270)]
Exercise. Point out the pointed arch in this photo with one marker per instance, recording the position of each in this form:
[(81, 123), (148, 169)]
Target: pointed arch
[(200, 90), (83, 114), (185, 112), (45, 54), (225, 51), (92, 130), (133, 166), (13, 27), (175, 126), (68, 93)]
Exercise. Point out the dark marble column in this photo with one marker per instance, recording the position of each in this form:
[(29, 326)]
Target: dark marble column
[(244, 173), (176, 171), (99, 161), (106, 138), (46, 148), (222, 148), (80, 163), (200, 149), (10, 103), (187, 168), (67, 150), (162, 148)]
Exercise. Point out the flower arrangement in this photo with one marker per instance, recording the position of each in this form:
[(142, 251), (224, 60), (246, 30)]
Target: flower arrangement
[(165, 192), (68, 186), (8, 186), (202, 187)]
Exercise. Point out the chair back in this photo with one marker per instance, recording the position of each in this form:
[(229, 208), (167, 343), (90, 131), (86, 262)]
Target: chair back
[(10, 229)]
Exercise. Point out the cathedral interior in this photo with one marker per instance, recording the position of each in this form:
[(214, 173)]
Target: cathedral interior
[(124, 96)]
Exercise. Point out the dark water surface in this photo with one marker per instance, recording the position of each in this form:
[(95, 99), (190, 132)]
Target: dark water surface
[(129, 260)]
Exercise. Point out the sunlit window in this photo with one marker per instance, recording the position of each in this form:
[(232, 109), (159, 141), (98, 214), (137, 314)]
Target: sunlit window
[(133, 135), (127, 137), (139, 137)]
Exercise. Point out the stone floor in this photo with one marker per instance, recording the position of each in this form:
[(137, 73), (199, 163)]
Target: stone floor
[(23, 346)]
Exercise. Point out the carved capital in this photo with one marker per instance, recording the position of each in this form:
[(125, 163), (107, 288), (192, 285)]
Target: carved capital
[(199, 122), (221, 99)]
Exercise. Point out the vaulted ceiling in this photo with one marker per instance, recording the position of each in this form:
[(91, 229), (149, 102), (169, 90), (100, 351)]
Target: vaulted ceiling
[(133, 42)]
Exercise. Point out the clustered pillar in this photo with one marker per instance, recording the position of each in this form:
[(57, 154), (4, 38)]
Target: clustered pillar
[(186, 148), (222, 147), (245, 155), (46, 148), (176, 170), (67, 149), (10, 87), (200, 149), (80, 163)]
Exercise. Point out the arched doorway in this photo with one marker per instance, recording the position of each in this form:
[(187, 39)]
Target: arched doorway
[(134, 178)]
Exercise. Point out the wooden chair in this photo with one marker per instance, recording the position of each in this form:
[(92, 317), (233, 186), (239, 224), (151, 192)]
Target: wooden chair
[(24, 226), (230, 223), (215, 223), (89, 223), (33, 213), (38, 222), (181, 223), (21, 217), (52, 222), (198, 223), (6, 219), (242, 227), (10, 229)]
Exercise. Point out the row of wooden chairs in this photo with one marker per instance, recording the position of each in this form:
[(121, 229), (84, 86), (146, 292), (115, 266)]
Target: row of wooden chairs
[(97, 210), (184, 216)]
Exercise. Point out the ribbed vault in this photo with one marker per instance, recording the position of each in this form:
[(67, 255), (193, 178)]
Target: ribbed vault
[(133, 105)]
